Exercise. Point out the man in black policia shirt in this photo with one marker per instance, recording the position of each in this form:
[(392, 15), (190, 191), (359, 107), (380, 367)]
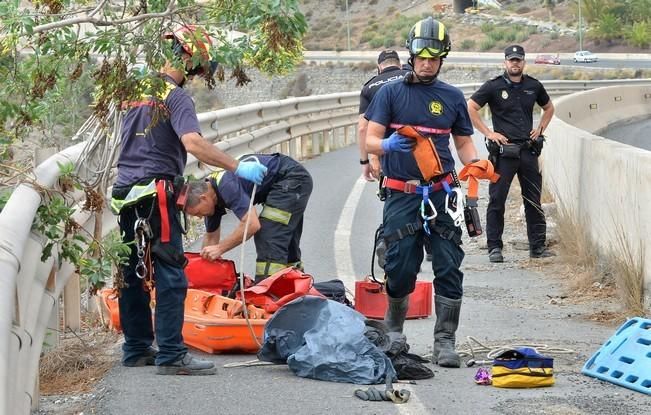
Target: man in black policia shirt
[(516, 143), (158, 131), (389, 70)]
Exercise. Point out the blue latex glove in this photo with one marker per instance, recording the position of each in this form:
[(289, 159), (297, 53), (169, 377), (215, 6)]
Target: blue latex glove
[(397, 142), (252, 171)]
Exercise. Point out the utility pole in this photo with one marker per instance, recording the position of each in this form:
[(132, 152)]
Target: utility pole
[(347, 25), (580, 28)]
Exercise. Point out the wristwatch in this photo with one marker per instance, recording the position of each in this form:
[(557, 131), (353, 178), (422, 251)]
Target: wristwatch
[(363, 161)]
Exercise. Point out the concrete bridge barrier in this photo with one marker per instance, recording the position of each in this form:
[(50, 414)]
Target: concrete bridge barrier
[(603, 184)]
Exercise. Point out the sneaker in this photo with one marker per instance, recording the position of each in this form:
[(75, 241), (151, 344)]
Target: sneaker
[(495, 255), (541, 253), (188, 365), (148, 358)]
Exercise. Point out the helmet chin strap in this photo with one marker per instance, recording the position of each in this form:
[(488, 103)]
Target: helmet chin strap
[(426, 80)]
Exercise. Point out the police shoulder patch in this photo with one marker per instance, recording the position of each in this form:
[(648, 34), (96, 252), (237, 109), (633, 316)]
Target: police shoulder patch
[(436, 108)]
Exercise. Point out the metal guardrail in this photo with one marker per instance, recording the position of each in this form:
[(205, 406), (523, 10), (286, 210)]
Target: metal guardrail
[(300, 127)]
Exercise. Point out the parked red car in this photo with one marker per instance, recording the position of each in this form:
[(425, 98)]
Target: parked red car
[(548, 59)]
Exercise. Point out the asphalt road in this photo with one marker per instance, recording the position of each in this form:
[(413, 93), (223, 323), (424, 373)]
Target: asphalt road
[(503, 303), (635, 134)]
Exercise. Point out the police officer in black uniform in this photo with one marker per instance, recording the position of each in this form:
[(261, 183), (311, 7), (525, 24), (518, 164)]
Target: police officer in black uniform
[(516, 143), (389, 70)]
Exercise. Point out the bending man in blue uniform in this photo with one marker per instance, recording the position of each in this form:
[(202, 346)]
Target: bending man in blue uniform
[(436, 110), (284, 192), (157, 133)]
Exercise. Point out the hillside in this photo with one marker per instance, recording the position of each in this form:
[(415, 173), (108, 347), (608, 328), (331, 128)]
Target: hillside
[(378, 24)]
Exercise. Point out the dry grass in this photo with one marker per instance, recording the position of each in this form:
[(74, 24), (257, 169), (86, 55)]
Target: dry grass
[(593, 274), (627, 265), (77, 363)]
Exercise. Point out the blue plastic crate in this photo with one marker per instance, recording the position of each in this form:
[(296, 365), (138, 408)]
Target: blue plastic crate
[(625, 359)]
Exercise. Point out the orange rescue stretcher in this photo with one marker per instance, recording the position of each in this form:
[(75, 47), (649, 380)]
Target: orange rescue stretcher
[(212, 323)]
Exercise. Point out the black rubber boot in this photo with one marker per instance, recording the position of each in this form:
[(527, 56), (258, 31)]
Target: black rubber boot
[(447, 321), (396, 313)]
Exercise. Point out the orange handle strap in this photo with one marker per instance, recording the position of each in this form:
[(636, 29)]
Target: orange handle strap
[(479, 170)]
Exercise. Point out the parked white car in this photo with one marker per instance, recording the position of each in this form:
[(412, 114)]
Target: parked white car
[(585, 56)]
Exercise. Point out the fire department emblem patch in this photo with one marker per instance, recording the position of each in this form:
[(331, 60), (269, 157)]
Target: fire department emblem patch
[(436, 108)]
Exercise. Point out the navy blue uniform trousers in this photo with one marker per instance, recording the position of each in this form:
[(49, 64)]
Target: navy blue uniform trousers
[(171, 289), (528, 171), (404, 256)]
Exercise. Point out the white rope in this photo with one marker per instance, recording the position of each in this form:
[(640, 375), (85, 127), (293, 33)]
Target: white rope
[(474, 348), (241, 274)]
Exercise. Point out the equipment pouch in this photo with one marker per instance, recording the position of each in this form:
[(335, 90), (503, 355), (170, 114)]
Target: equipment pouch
[(425, 153), (536, 146), (510, 151), (169, 255), (382, 191), (473, 223)]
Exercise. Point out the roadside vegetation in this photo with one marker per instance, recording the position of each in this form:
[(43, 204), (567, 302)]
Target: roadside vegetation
[(607, 25), (596, 272)]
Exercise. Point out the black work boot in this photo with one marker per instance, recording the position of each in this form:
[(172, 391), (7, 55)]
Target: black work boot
[(148, 358), (495, 255), (541, 252), (396, 313), (188, 365), (447, 321)]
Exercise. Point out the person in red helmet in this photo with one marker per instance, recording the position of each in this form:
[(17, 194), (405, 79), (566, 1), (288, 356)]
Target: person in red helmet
[(156, 135), (192, 45)]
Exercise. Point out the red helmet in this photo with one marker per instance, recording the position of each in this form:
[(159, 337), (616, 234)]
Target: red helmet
[(194, 40)]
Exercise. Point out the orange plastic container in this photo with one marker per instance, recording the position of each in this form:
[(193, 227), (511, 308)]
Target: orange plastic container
[(371, 299), (216, 324)]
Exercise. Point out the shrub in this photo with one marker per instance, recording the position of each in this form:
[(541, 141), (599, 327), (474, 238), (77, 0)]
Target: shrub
[(511, 36), (486, 44), (467, 44), (521, 37), (638, 35), (376, 42), (487, 27), (497, 35)]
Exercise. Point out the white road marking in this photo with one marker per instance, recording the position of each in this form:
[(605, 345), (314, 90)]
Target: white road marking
[(343, 257), (346, 273)]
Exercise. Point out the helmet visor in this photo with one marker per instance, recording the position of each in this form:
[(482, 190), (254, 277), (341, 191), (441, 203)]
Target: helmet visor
[(426, 47)]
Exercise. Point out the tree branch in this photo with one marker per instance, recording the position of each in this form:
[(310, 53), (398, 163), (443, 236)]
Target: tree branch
[(98, 22), (98, 8)]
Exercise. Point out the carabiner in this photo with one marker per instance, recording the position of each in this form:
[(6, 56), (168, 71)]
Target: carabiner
[(427, 202), (454, 205), (141, 270)]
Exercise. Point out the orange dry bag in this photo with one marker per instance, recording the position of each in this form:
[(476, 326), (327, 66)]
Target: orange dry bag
[(425, 153)]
